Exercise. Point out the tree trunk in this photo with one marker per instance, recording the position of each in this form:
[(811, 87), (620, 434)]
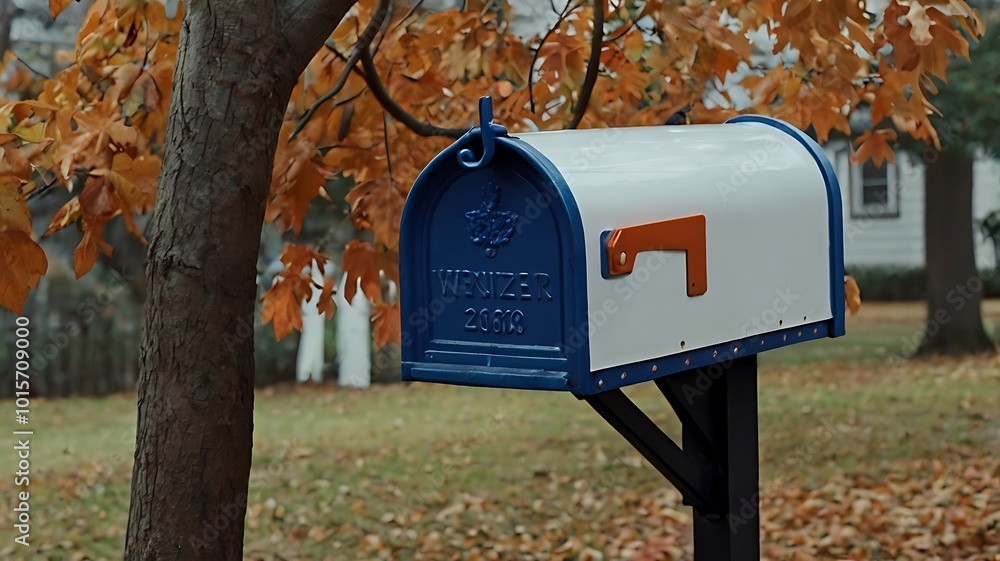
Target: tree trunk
[(311, 354), (354, 339), (237, 64), (954, 289), (8, 10)]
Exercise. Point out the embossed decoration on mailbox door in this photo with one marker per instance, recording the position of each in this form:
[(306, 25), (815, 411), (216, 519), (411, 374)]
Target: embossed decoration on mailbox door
[(585, 261)]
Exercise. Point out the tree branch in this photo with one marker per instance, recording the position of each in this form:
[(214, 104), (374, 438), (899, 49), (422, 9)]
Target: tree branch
[(382, 30), (413, 10), (380, 19), (397, 112), (305, 24), (593, 65), (28, 66), (531, 68), (627, 28), (385, 137), (370, 74), (8, 13)]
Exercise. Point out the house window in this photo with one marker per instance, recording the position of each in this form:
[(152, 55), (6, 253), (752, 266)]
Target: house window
[(874, 191), (874, 184)]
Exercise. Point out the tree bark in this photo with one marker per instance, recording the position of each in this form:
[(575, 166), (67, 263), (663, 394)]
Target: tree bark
[(237, 64), (7, 12), (954, 289)]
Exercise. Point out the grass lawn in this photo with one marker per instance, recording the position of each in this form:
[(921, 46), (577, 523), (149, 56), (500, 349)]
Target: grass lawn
[(861, 458)]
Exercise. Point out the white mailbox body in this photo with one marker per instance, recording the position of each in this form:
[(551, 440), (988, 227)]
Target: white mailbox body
[(633, 253), (761, 193)]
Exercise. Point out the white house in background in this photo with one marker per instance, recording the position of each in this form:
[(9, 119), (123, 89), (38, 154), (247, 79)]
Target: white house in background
[(884, 209)]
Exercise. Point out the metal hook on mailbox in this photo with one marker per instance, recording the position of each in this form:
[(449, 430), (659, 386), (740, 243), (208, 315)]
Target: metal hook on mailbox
[(488, 131)]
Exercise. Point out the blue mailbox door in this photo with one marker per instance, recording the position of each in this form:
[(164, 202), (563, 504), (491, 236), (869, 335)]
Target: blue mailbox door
[(494, 281)]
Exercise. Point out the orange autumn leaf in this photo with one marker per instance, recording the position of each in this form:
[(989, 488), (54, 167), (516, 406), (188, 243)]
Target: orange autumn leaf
[(85, 255), (295, 184), (141, 177), (22, 261), (134, 186), (283, 301), (874, 146), (852, 293), (920, 25), (68, 214), (724, 61), (282, 308), (15, 164), (31, 133), (860, 33), (377, 206), (364, 264), (14, 213), (98, 205), (326, 304), (57, 6), (92, 19), (386, 324), (122, 80), (564, 60), (297, 257), (22, 264)]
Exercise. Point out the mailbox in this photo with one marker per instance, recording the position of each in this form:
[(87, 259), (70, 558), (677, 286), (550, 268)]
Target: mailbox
[(585, 261), (588, 260)]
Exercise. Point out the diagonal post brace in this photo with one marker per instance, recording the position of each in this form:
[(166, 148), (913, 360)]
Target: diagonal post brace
[(717, 469), (692, 479)]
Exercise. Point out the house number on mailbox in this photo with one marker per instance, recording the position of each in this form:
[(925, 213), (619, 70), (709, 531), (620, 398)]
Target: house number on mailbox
[(498, 321), (494, 285)]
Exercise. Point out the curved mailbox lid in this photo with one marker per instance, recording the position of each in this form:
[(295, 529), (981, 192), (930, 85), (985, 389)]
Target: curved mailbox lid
[(767, 206)]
